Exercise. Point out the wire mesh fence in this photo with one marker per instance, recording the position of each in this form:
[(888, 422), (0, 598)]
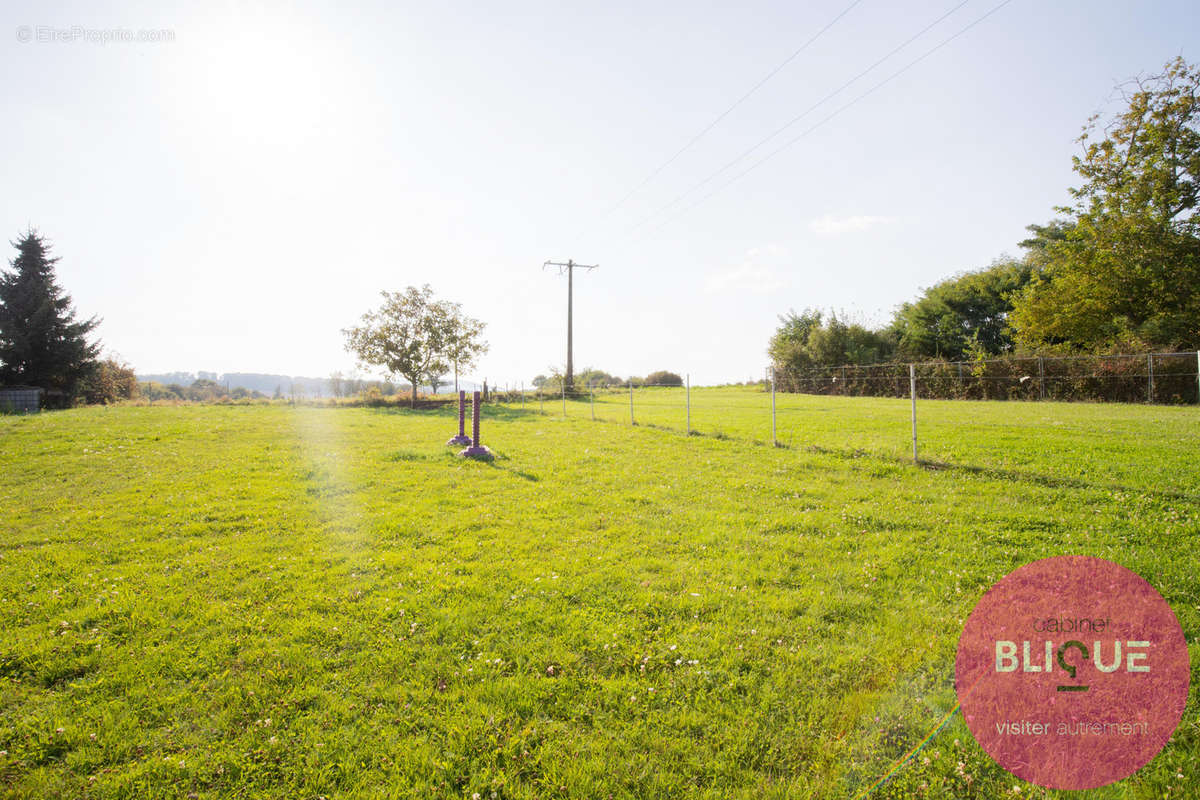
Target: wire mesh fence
[(1126, 378), (1051, 441)]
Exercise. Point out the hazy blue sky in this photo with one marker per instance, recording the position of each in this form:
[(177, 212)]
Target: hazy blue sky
[(229, 199)]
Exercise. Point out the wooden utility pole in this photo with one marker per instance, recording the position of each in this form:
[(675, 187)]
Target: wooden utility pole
[(569, 267)]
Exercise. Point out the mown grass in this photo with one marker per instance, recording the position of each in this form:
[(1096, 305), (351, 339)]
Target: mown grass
[(1092, 444), (306, 602)]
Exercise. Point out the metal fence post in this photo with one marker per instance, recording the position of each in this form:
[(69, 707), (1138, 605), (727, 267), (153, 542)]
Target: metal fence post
[(541, 403), (774, 437), (1150, 374), (522, 394), (912, 392), (592, 392), (631, 421), (564, 398), (1198, 376), (1041, 378), (688, 395)]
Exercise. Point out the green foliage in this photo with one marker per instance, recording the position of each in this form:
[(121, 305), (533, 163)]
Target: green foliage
[(808, 340), (664, 378), (788, 347), (264, 602), (415, 336), (587, 378), (592, 378), (41, 341), (110, 381), (1127, 267), (464, 342), (964, 314)]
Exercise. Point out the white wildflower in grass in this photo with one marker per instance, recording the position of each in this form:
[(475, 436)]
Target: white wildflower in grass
[(672, 647)]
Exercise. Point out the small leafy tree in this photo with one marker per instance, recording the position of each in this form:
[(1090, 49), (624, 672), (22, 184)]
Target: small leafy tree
[(407, 336), (464, 341), (109, 381), (664, 378), (788, 347)]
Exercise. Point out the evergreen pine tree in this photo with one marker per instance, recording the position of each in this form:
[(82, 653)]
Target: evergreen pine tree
[(41, 341)]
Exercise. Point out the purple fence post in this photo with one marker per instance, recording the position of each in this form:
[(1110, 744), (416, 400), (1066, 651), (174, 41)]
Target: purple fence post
[(476, 450), (462, 418), (475, 420)]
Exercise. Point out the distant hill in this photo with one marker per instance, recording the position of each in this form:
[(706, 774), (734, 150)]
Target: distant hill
[(267, 382)]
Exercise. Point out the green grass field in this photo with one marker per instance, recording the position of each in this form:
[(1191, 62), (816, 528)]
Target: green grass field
[(325, 602)]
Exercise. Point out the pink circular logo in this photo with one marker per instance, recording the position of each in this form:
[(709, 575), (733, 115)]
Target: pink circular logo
[(1072, 672)]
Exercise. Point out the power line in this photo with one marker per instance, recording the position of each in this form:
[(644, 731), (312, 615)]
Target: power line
[(796, 118), (655, 173), (830, 116)]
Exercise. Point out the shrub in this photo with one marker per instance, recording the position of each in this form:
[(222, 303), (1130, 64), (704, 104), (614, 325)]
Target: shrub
[(663, 378)]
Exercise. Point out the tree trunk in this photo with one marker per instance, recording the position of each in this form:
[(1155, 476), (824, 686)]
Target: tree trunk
[(413, 381)]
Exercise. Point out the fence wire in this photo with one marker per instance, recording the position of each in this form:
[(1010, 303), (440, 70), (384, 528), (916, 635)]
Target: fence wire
[(1089, 442)]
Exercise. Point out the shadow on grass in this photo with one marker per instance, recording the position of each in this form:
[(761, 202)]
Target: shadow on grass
[(508, 413), (1049, 481), (495, 462), (450, 411), (522, 474)]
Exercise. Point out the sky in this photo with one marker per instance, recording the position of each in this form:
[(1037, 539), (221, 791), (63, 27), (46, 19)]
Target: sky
[(230, 185)]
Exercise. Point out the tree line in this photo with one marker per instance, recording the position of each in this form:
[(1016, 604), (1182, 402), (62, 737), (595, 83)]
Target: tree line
[(1117, 270), (591, 378)]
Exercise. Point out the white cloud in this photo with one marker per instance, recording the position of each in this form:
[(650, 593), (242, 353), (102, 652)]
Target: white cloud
[(754, 273), (830, 225)]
